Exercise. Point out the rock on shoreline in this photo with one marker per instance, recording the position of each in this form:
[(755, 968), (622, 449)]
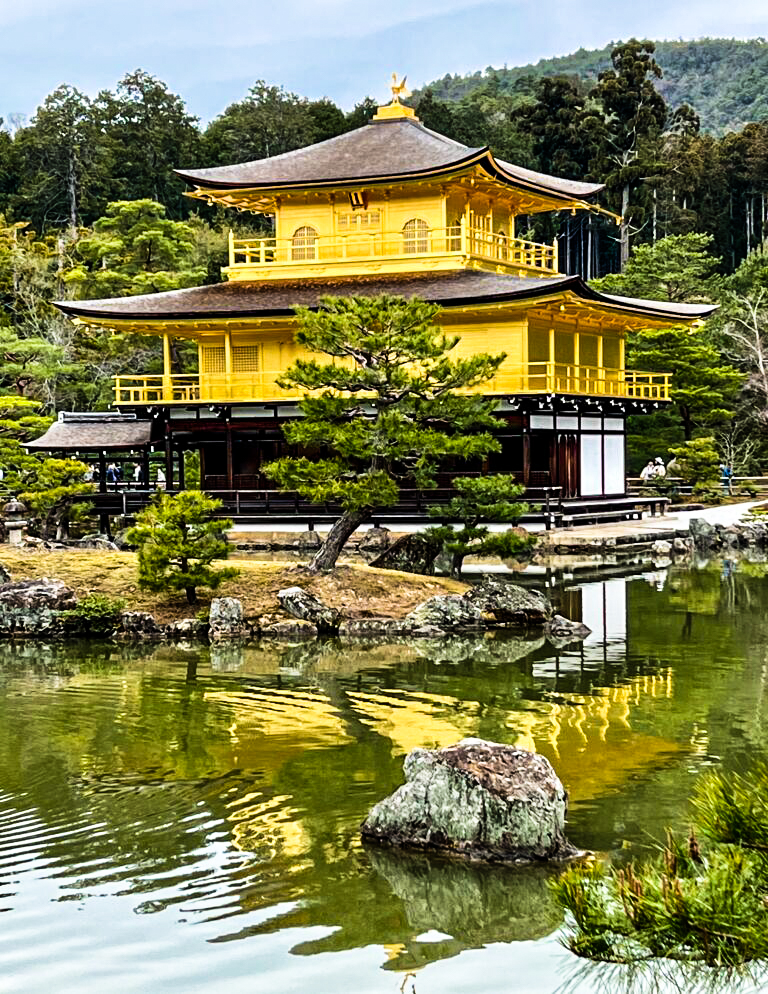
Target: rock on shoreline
[(48, 607)]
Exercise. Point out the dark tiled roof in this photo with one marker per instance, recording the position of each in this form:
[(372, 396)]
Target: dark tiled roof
[(93, 433), (273, 298), (399, 147)]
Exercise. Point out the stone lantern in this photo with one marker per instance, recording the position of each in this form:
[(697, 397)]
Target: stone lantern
[(15, 521)]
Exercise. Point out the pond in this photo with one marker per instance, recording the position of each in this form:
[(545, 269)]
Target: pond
[(186, 820)]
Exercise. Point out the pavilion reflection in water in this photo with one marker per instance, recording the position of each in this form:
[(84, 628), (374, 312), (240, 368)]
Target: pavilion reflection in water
[(250, 774)]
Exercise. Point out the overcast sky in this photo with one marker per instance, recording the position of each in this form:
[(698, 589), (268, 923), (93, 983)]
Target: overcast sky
[(211, 52)]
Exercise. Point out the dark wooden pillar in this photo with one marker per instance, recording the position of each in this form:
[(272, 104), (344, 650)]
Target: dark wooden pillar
[(168, 457), (182, 478), (230, 460), (103, 516), (145, 468), (526, 459)]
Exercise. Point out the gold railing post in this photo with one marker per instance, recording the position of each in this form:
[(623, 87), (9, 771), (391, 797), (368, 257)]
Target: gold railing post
[(463, 234), (227, 362), (231, 242), (555, 256), (167, 379)]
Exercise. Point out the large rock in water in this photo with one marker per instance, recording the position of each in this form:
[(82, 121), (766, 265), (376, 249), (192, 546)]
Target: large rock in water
[(508, 603), (305, 606), (29, 607), (411, 554), (479, 799)]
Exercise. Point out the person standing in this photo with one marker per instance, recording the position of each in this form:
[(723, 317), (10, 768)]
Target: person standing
[(726, 478)]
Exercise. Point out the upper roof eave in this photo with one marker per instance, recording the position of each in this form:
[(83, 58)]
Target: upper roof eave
[(476, 156), (341, 162), (484, 159)]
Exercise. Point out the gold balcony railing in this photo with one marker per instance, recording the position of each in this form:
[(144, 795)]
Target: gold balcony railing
[(533, 377), (459, 241)]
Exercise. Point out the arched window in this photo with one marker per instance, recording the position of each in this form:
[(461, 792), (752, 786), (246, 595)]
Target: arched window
[(501, 244), (416, 235), (454, 235), (304, 244)]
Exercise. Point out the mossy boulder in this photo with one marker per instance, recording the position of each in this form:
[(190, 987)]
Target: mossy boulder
[(476, 798)]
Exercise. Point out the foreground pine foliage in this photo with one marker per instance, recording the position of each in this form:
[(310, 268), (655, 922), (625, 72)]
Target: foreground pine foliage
[(698, 903)]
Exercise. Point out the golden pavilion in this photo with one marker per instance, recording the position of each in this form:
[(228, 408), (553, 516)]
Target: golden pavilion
[(395, 208)]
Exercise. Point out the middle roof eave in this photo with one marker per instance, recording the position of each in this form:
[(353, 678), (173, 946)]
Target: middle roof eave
[(245, 299)]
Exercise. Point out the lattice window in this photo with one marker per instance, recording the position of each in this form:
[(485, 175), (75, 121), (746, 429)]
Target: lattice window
[(416, 235), (359, 220), (213, 359), (304, 243), (246, 358)]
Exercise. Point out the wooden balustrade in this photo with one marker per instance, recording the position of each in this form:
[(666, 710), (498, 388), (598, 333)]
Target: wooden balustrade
[(459, 240), (526, 378)]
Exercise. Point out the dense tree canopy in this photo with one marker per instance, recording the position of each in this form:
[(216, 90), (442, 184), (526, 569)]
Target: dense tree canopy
[(148, 134)]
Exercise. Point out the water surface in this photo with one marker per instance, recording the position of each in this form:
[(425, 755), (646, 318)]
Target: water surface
[(186, 820)]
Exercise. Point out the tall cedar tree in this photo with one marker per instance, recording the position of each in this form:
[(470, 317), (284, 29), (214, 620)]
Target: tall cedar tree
[(269, 121), (478, 502), (635, 114), (177, 539), (565, 134), (383, 411), (62, 160), (149, 133)]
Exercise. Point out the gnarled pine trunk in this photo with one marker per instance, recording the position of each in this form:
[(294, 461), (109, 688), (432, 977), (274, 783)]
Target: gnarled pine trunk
[(326, 556)]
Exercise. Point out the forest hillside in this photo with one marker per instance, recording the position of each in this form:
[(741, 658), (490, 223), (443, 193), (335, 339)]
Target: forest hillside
[(722, 78)]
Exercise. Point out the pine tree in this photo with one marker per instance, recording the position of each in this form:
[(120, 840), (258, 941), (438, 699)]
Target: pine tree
[(480, 501), (697, 462), (385, 409), (701, 903), (134, 248), (178, 539), (678, 268)]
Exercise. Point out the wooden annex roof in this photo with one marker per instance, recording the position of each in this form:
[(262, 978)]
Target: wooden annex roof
[(242, 299), (99, 431), (378, 152)]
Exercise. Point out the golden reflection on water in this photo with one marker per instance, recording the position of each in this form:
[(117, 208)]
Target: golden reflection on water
[(227, 786)]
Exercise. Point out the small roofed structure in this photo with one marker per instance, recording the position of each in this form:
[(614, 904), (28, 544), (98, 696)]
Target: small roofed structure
[(94, 432)]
